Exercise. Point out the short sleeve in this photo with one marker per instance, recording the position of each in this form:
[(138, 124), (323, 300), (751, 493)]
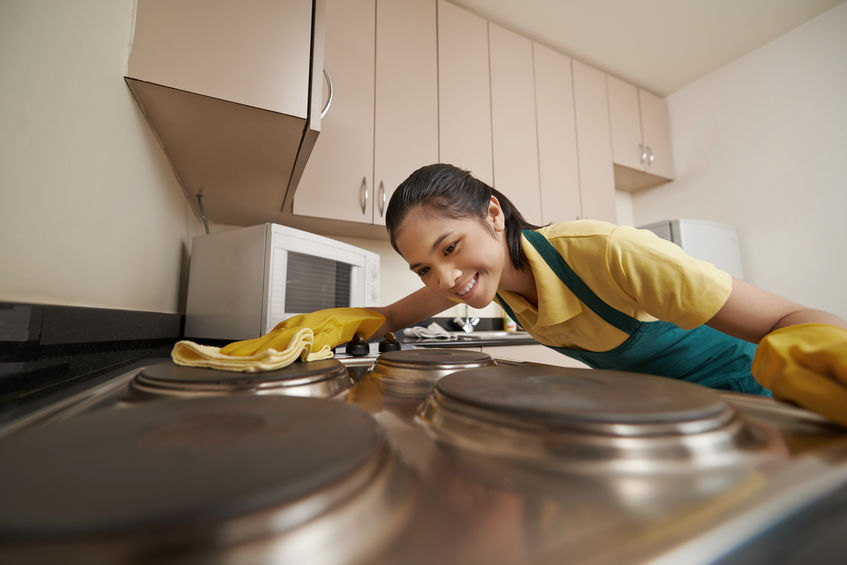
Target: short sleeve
[(663, 280)]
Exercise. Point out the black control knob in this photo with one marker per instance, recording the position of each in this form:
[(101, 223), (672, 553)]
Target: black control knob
[(356, 347), (389, 343)]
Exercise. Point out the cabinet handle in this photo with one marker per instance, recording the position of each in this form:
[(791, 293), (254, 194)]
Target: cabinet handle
[(331, 91), (652, 157), (381, 198), (643, 153), (363, 194)]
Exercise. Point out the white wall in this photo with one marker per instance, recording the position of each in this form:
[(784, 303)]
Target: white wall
[(761, 144), (90, 212)]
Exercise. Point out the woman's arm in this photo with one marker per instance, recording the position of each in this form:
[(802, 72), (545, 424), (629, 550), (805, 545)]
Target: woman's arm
[(419, 305), (750, 313)]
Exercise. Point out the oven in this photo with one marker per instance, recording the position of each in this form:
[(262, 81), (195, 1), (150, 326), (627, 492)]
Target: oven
[(418, 455)]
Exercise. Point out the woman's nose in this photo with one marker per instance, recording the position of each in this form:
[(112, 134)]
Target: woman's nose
[(447, 276)]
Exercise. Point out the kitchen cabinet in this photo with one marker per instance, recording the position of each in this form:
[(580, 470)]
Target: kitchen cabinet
[(594, 149), (338, 180), (383, 122), (406, 120), (641, 149), (464, 91), (514, 137), (557, 151), (227, 91)]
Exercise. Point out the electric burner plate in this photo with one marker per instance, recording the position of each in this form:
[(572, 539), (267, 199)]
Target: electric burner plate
[(323, 378)]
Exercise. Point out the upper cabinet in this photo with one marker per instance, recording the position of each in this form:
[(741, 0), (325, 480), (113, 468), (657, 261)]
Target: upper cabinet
[(464, 91), (406, 120), (227, 92), (641, 148), (383, 121), (513, 120), (558, 168), (338, 180), (594, 155)]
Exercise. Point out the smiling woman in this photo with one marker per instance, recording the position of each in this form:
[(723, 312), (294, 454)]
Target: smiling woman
[(610, 296)]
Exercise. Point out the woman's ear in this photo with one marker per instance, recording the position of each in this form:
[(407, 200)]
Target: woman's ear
[(495, 215)]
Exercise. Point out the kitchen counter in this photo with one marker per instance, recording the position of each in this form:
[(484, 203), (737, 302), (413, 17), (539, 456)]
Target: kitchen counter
[(475, 339)]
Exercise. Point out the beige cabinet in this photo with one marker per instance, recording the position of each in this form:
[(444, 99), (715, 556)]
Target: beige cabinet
[(338, 179), (594, 150), (406, 120), (557, 152), (514, 137), (464, 91), (383, 120), (641, 149), (227, 91)]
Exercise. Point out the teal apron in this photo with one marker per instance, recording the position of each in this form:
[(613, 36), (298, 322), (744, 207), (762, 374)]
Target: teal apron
[(703, 355)]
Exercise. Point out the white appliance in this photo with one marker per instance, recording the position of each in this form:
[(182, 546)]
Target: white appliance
[(709, 241), (244, 281)]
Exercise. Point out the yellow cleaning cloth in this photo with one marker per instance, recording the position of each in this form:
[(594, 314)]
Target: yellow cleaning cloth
[(308, 337), (806, 364)]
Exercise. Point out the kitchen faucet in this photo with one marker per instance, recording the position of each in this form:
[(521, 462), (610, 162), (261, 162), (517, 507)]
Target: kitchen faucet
[(467, 323)]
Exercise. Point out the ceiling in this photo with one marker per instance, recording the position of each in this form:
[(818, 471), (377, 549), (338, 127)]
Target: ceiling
[(659, 45)]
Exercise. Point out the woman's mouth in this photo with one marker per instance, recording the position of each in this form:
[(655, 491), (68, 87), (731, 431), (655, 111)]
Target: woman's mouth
[(468, 287)]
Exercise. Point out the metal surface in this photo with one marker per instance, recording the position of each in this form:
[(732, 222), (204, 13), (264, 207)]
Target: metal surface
[(560, 418), (413, 372), (321, 379), (182, 478), (523, 480)]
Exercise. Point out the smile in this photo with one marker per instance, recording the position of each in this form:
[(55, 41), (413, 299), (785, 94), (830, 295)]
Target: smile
[(468, 286)]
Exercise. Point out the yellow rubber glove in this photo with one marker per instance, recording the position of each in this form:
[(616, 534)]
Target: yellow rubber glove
[(331, 327), (308, 337), (806, 364)]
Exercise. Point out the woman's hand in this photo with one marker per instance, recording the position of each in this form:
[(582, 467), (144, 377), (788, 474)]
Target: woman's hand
[(802, 353), (806, 364)]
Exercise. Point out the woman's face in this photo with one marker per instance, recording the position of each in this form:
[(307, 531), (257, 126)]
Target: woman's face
[(459, 258)]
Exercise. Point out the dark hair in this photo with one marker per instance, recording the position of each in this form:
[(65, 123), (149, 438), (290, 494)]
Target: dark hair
[(456, 193)]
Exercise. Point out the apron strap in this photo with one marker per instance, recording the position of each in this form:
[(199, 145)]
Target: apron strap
[(557, 263)]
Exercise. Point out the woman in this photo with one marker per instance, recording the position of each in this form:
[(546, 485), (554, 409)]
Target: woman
[(612, 296)]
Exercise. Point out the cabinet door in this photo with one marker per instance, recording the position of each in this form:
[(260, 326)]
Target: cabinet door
[(227, 52), (557, 161), (515, 144), (337, 182), (656, 133), (625, 120), (464, 96), (406, 115), (596, 177)]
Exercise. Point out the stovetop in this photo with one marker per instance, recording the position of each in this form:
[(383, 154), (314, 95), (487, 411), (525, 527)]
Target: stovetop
[(481, 467)]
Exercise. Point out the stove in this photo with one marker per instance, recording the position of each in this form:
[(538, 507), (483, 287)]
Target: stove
[(413, 456)]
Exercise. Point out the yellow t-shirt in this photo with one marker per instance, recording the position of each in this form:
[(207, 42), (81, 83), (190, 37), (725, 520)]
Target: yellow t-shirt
[(633, 271)]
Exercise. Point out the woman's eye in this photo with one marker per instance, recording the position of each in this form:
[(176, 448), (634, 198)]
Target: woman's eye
[(450, 248), (423, 271)]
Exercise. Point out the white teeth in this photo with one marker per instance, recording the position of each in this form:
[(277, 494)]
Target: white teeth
[(467, 287)]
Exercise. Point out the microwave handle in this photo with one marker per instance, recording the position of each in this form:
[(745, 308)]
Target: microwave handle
[(363, 194)]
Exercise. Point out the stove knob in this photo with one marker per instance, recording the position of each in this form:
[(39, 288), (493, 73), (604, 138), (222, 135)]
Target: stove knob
[(389, 343), (356, 347)]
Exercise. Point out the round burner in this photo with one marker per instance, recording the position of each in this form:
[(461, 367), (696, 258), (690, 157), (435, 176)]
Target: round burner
[(413, 372), (321, 379), (563, 416), (186, 473)]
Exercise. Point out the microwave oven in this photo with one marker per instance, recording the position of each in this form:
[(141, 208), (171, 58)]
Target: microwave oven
[(244, 281)]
